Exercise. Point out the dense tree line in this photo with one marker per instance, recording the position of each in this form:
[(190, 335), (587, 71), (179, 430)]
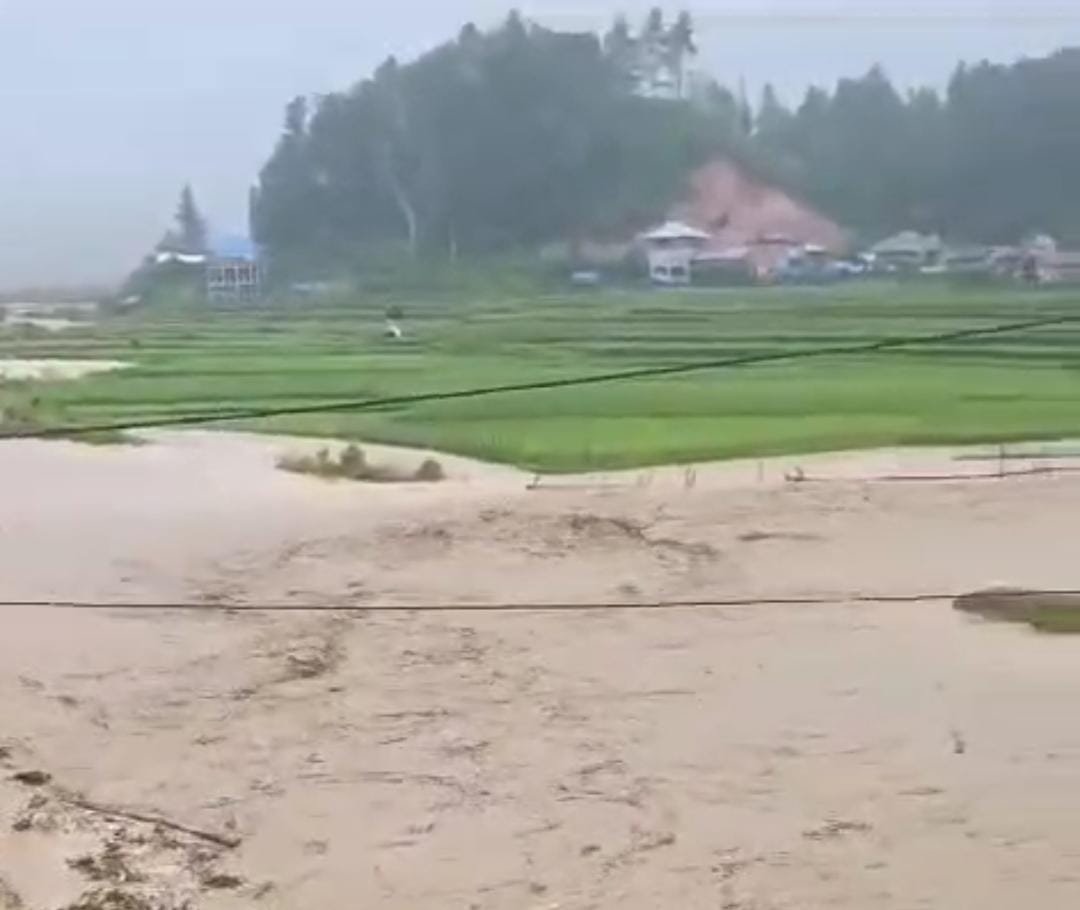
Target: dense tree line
[(996, 157), (492, 141), (521, 135)]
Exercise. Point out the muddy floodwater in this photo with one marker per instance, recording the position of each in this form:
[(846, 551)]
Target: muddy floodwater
[(47, 317), (775, 756), (21, 370)]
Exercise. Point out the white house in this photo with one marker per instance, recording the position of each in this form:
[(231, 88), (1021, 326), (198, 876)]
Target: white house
[(909, 250), (671, 250), (1060, 268), (232, 270)]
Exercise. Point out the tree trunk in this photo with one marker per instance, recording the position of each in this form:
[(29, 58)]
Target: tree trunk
[(408, 213), (404, 204)]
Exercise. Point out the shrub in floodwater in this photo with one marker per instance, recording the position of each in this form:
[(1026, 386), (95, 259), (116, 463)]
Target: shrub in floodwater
[(352, 464), (431, 471)]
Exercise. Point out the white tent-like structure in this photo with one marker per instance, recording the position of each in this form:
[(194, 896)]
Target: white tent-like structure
[(675, 232)]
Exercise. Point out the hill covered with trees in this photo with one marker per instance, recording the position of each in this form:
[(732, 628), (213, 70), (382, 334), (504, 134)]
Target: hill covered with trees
[(995, 157), (510, 138)]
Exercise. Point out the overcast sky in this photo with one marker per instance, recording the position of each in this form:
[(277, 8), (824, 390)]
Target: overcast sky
[(109, 106)]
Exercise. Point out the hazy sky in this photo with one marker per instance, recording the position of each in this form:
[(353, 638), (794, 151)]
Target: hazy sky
[(109, 106)]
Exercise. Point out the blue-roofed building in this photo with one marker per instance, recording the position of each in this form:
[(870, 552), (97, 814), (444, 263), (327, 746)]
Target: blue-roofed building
[(232, 269)]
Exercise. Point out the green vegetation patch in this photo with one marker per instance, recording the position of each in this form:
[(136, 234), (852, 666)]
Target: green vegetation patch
[(1045, 612), (1002, 388), (24, 412), (352, 464)]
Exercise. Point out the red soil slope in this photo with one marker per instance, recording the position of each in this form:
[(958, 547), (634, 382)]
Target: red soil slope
[(739, 210)]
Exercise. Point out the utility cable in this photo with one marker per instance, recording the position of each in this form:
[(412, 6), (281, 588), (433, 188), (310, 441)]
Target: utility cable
[(793, 600)]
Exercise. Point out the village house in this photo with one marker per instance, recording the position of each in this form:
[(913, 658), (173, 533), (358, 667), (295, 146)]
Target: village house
[(232, 271), (1061, 267), (670, 251), (754, 227), (908, 250), (729, 228), (229, 268), (971, 260)]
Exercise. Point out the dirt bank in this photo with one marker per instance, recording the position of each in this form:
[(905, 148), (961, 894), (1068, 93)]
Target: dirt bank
[(875, 757)]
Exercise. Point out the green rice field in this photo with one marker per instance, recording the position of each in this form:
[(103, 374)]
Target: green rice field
[(1022, 386)]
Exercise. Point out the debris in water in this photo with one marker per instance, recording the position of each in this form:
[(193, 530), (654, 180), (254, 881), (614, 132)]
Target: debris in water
[(111, 866), (959, 743), (32, 778), (221, 881), (113, 899)]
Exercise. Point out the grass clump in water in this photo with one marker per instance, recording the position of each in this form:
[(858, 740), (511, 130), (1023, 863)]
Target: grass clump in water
[(1049, 612), (352, 464)]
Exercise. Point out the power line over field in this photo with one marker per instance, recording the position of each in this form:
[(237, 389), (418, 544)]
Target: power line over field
[(201, 418)]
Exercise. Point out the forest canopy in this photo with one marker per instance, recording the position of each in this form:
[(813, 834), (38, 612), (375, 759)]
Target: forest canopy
[(521, 135)]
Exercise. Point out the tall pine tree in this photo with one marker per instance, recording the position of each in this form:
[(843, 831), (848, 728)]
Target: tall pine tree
[(190, 224)]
